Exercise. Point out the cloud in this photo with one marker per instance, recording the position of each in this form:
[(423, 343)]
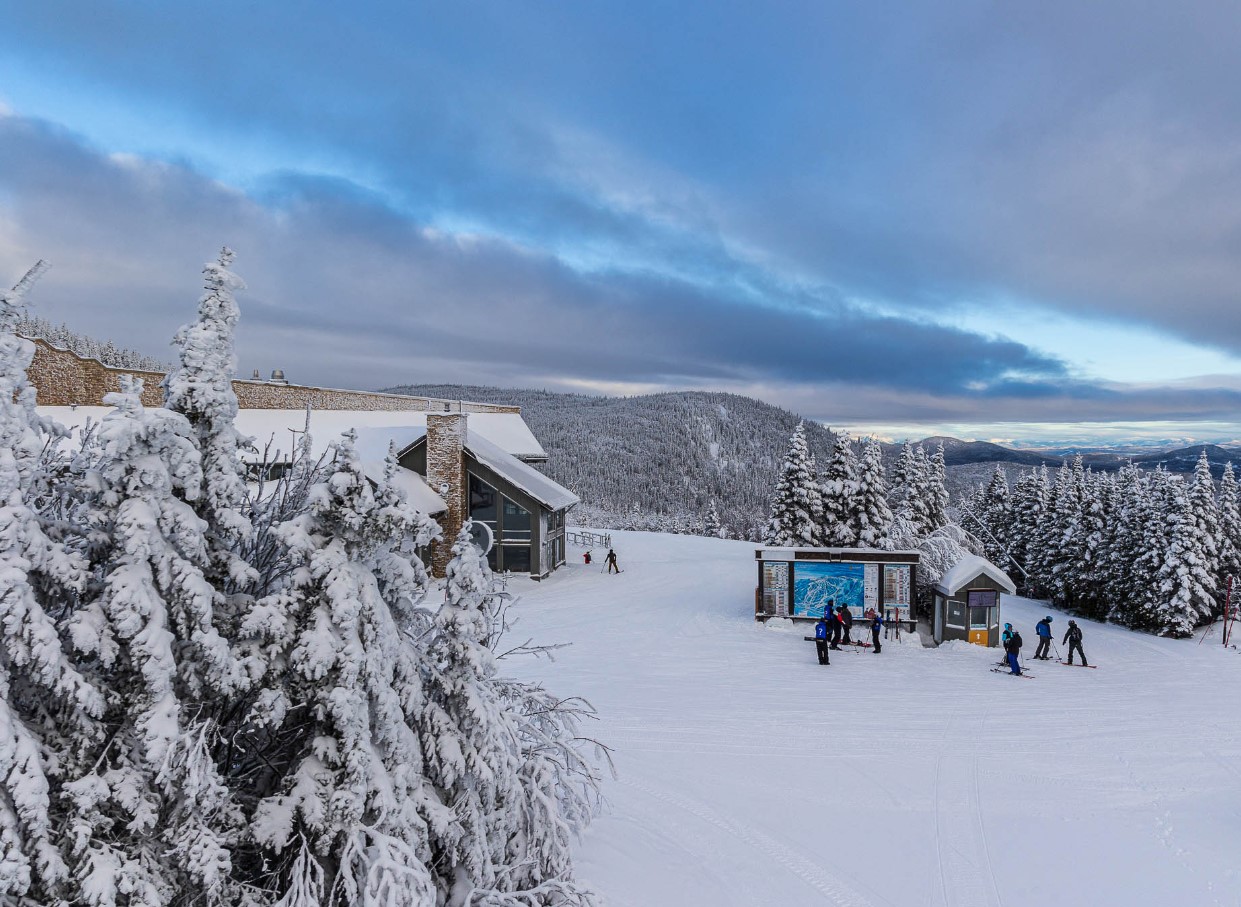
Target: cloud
[(330, 266)]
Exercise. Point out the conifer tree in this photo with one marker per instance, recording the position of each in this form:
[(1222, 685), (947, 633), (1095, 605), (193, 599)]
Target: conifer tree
[(873, 517), (796, 498), (152, 631), (711, 523), (935, 472), (1229, 506), (839, 494), (201, 389), (910, 487), (1202, 504), (352, 817), (1185, 594), (49, 711)]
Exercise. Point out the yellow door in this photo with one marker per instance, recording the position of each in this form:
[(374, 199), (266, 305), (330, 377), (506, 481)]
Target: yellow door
[(978, 637)]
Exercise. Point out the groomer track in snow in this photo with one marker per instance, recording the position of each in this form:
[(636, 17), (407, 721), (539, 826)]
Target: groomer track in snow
[(750, 775)]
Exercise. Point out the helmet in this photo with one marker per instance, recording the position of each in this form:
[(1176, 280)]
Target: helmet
[(1047, 618), (1072, 623), (1008, 626)]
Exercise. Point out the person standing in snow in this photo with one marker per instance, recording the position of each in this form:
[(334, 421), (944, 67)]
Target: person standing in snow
[(846, 621), (1004, 640), (1073, 638), (1043, 629), (586, 557), (833, 623), (611, 561), (820, 640), (876, 629), (1013, 648)]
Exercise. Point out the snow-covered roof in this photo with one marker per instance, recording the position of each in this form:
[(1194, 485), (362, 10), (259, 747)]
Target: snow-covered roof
[(844, 554), (415, 486), (375, 429), (969, 568), (550, 494)]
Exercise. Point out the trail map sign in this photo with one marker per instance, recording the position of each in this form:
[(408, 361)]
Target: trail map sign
[(800, 582)]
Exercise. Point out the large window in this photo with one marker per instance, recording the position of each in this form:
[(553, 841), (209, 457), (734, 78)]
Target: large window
[(516, 558), (516, 526), (482, 501)]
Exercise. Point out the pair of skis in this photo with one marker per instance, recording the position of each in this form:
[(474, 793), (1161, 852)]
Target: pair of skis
[(1010, 673)]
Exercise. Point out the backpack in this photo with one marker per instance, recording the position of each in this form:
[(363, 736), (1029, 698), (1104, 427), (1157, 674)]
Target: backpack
[(1015, 642)]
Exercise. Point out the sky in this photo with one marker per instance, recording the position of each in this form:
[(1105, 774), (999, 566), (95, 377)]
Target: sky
[(1002, 221)]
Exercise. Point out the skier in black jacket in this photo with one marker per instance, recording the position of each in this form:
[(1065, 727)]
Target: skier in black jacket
[(1073, 638), (832, 616), (1013, 648), (846, 621)]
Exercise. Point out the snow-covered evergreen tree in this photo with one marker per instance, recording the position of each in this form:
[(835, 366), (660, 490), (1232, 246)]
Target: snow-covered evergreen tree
[(910, 486), (839, 494), (151, 629), (796, 498), (351, 818), (1185, 592), (49, 711), (201, 389), (1229, 506), (711, 525), (872, 515), (1202, 503), (935, 472)]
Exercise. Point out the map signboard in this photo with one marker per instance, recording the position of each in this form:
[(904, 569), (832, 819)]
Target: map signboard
[(776, 588), (896, 589), (815, 583)]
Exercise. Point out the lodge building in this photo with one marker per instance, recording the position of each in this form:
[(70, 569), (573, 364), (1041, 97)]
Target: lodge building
[(459, 460)]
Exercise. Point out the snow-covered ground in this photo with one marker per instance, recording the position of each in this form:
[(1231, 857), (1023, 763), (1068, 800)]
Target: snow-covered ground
[(750, 775)]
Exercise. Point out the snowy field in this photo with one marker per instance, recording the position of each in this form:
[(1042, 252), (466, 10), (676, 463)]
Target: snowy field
[(750, 775)]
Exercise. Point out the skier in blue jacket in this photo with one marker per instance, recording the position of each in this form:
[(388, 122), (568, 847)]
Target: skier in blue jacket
[(1043, 629), (820, 640), (1013, 648), (876, 628)]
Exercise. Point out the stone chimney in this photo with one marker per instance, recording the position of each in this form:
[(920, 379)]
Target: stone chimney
[(446, 434)]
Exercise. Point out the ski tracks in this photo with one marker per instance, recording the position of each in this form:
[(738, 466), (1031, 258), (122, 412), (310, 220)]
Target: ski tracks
[(837, 891)]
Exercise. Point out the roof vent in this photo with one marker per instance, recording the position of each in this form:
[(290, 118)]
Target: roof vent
[(277, 376), (257, 376)]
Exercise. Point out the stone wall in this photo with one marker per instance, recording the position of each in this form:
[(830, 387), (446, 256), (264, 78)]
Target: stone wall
[(64, 378), (446, 434)]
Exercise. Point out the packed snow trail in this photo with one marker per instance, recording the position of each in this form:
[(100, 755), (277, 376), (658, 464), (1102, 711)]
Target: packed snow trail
[(751, 775)]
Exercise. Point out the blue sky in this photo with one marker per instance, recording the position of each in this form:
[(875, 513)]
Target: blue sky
[(1007, 222)]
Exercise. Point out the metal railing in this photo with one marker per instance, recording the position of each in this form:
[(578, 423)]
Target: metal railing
[(584, 539)]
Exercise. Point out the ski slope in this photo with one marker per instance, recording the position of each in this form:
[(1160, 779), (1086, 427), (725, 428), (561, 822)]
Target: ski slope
[(750, 775)]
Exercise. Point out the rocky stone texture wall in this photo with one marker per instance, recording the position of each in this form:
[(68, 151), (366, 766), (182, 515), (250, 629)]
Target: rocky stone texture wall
[(446, 433), (64, 378)]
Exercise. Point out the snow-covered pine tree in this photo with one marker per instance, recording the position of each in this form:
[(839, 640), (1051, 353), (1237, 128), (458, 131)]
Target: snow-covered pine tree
[(1201, 494), (795, 499), (1229, 505), (1185, 595), (1097, 513), (993, 509), (711, 522), (474, 754), (150, 629), (201, 389), (936, 490), (873, 516), (839, 494), (909, 499), (49, 712), (351, 813)]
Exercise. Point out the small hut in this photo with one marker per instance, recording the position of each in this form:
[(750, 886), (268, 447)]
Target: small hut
[(967, 601)]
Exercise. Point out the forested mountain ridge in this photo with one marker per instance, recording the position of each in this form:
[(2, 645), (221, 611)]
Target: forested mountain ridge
[(665, 455)]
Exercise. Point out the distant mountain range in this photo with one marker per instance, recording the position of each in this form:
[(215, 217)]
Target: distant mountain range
[(672, 453)]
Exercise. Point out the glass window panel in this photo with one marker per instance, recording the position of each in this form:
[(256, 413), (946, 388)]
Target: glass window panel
[(482, 501), (516, 558), (517, 524), (979, 618)]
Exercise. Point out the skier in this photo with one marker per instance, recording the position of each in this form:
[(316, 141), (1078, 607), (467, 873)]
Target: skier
[(846, 619), (1013, 648), (1043, 629), (820, 641), (586, 558), (611, 561), (832, 616), (876, 628), (1004, 640), (1073, 638)]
